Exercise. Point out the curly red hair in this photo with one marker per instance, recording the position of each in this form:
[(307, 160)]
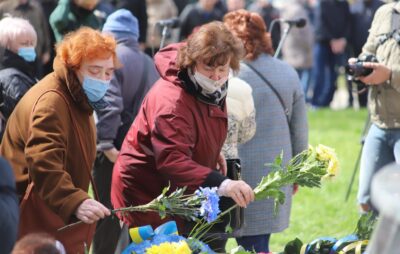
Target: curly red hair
[(252, 30), (86, 43)]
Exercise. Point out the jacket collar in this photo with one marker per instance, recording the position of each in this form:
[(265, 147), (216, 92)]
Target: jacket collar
[(190, 87), (11, 60), (69, 79)]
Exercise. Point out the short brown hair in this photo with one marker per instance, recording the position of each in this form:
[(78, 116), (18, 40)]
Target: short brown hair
[(213, 44), (86, 43), (252, 30)]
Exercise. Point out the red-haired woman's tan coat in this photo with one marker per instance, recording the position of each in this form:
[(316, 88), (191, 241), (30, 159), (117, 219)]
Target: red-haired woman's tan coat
[(44, 142)]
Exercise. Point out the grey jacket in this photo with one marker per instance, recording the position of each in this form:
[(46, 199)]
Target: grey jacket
[(273, 135), (298, 47), (127, 90), (384, 99)]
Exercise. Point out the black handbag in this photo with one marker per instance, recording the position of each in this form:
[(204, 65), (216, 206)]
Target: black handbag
[(233, 221)]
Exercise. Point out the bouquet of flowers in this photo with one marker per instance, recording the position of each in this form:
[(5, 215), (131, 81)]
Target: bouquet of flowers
[(306, 169), (203, 202)]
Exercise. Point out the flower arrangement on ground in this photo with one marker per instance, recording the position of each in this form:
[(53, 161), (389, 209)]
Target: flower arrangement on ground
[(355, 243), (164, 239)]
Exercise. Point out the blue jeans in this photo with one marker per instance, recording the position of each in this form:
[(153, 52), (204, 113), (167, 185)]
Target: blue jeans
[(305, 80), (324, 73), (258, 243), (381, 147)]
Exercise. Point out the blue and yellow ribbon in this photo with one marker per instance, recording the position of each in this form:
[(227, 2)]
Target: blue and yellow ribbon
[(140, 234)]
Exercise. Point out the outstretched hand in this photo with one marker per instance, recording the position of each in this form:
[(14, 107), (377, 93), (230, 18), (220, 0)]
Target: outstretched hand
[(90, 211)]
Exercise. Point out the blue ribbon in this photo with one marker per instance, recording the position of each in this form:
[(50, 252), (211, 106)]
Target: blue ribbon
[(139, 234), (330, 239), (341, 241)]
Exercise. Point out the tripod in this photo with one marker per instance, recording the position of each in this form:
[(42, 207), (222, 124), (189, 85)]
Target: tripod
[(356, 166)]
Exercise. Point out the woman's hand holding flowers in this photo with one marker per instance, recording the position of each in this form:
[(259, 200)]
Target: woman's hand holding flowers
[(90, 211), (239, 191)]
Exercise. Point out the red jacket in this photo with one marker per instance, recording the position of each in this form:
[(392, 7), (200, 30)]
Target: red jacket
[(175, 138)]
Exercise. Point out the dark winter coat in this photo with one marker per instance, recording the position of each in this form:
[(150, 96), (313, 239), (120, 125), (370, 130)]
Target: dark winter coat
[(194, 16), (332, 21), (9, 208), (16, 78)]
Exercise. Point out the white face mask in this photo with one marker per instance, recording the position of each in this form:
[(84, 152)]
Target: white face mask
[(209, 86)]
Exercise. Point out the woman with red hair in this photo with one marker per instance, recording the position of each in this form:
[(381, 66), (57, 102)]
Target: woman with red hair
[(50, 137), (281, 124)]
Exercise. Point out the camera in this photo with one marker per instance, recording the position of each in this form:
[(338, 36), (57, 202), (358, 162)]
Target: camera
[(357, 69)]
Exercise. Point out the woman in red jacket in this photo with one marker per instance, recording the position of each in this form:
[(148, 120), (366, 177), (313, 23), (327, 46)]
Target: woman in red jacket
[(181, 126)]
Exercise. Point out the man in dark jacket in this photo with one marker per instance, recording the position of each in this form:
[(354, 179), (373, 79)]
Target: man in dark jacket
[(332, 24), (9, 208), (17, 68), (197, 14), (127, 90)]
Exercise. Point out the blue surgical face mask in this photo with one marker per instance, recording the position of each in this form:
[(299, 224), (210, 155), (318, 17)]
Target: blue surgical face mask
[(27, 53), (95, 89)]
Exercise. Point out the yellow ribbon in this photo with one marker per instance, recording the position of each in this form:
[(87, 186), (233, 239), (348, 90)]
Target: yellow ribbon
[(303, 249), (357, 246)]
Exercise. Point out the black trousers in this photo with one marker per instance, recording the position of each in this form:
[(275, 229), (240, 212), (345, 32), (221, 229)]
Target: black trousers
[(107, 230)]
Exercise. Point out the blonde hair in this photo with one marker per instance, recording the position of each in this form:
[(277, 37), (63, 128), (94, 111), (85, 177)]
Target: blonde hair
[(12, 28)]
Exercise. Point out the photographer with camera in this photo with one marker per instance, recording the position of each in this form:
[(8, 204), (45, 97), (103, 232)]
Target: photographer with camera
[(382, 143)]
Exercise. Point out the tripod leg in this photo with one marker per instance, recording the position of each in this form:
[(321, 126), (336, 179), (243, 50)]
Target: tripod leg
[(353, 175)]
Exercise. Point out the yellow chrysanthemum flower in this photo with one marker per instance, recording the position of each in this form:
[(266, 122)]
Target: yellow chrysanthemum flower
[(183, 248), (324, 153), (174, 248), (333, 167), (328, 155)]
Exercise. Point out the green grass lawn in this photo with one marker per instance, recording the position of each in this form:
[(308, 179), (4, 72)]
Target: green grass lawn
[(324, 212)]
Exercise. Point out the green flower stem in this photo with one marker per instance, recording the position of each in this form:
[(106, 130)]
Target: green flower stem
[(141, 208)]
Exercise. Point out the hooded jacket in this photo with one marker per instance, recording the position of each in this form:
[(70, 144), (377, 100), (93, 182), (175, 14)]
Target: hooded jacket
[(41, 141), (175, 139)]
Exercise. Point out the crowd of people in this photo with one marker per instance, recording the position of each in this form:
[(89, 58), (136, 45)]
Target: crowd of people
[(88, 97)]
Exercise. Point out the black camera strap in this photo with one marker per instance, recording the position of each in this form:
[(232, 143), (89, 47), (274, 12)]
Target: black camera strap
[(285, 109)]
